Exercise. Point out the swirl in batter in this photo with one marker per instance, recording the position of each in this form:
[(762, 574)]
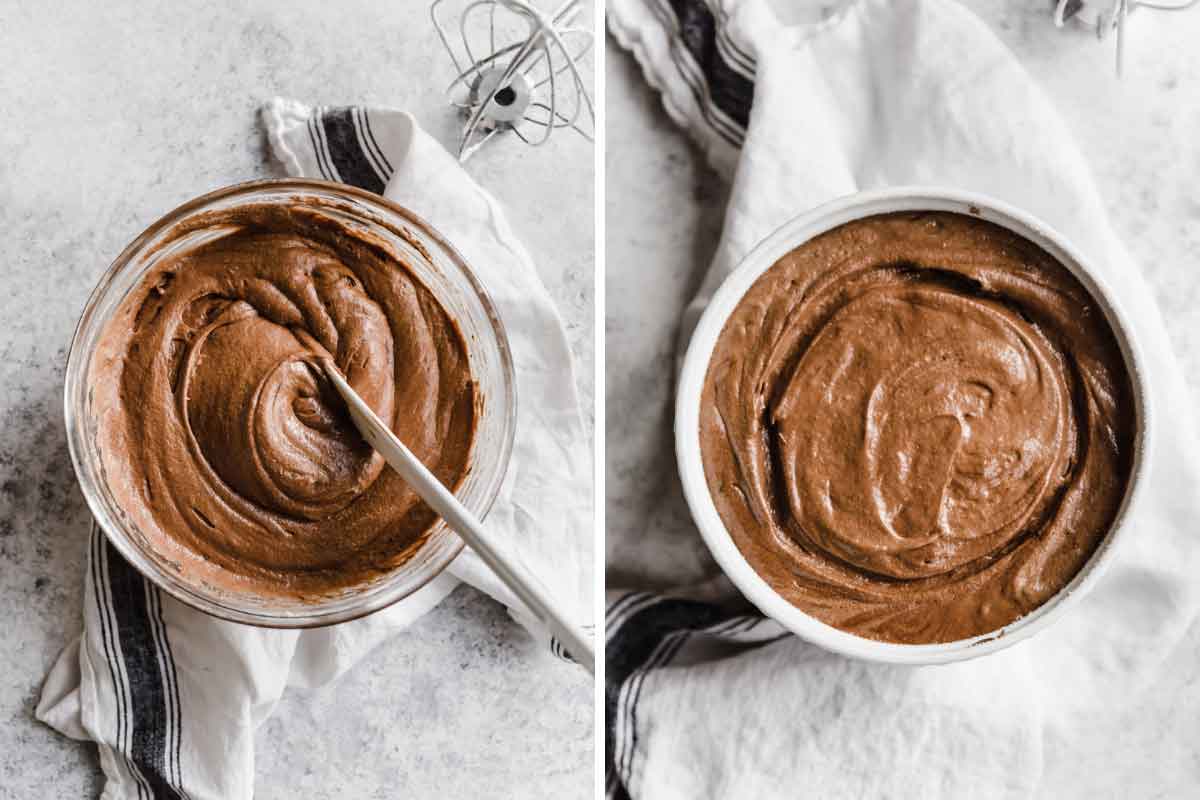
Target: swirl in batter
[(222, 440), (917, 427)]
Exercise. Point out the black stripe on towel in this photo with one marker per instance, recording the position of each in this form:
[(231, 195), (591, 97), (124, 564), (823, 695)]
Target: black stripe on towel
[(727, 88), (693, 77), (365, 142), (734, 53), (104, 612), (171, 682), (374, 144), (346, 152), (318, 150), (627, 653), (139, 650)]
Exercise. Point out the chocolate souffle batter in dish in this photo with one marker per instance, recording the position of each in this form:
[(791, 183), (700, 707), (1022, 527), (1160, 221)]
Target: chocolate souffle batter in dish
[(917, 427), (220, 436)]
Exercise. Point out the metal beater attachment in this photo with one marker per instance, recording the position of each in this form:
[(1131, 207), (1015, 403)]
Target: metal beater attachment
[(1107, 16), (518, 69)]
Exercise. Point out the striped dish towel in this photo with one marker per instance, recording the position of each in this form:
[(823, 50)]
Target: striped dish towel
[(171, 696), (707, 699)]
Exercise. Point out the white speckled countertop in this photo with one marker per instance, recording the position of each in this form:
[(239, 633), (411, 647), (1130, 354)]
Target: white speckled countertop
[(664, 212), (116, 113)]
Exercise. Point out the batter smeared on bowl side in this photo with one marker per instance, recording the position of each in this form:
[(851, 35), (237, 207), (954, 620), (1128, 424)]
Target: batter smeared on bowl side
[(917, 427), (219, 435)]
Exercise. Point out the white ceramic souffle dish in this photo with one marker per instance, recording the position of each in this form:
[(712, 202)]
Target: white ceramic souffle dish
[(695, 366)]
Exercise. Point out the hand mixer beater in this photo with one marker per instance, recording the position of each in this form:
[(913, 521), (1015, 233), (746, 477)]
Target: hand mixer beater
[(518, 69)]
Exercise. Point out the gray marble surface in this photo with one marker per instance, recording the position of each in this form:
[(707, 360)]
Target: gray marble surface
[(664, 209), (117, 112)]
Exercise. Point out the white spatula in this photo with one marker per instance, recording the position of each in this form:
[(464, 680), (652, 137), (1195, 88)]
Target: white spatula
[(493, 552)]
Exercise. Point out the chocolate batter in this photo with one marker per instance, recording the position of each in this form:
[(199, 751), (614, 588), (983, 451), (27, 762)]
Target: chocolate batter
[(917, 427), (222, 440)]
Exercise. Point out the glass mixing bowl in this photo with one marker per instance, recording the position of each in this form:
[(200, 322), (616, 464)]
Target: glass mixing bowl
[(443, 271)]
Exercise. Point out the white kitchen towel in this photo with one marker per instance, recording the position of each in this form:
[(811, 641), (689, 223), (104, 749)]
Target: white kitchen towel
[(706, 700), (171, 696)]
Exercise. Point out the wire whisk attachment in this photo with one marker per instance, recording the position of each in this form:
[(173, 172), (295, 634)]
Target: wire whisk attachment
[(518, 69), (1109, 16)]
